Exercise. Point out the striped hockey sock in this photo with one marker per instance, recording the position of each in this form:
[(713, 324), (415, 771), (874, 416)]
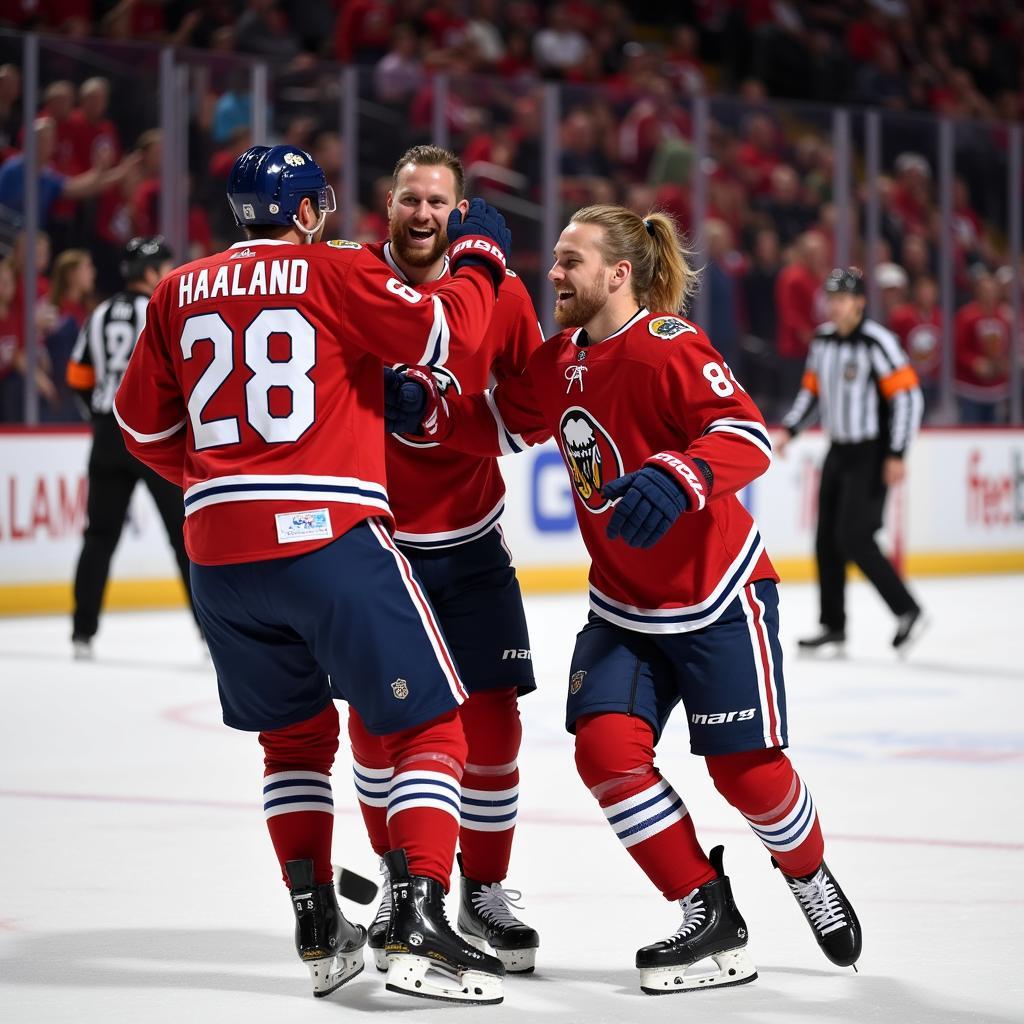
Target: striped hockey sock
[(764, 787)]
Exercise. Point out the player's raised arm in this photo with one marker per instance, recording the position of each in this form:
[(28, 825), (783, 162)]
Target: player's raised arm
[(401, 324), (149, 406)]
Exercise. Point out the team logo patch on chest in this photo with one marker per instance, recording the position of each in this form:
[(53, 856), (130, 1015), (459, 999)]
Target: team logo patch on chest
[(591, 456), (669, 327), (850, 371), (445, 379)]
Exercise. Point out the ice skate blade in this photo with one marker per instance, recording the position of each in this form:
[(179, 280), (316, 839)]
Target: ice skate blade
[(330, 973), (516, 961), (734, 968), (380, 958), (420, 977)]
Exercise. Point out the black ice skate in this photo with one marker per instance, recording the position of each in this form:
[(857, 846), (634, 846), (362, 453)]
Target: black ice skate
[(485, 920), (377, 933), (829, 914), (829, 642), (712, 927), (425, 956), (329, 945), (909, 627)]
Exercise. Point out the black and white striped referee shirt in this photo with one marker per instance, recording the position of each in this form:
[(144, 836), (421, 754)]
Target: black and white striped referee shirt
[(862, 386), (104, 346)]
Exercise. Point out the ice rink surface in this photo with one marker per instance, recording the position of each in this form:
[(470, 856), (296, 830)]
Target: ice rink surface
[(137, 882)]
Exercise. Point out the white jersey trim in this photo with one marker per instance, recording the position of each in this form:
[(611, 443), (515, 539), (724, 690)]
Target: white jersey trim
[(146, 438), (292, 487), (452, 538), (686, 618)]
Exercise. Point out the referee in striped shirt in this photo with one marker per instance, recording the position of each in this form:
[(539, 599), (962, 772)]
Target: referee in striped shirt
[(94, 371), (860, 382)]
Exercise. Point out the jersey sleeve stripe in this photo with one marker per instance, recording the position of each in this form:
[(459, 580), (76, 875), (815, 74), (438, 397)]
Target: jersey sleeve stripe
[(510, 444), (749, 430), (161, 435), (436, 352)]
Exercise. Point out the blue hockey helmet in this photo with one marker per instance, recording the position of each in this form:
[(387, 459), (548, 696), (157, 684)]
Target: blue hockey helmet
[(268, 183)]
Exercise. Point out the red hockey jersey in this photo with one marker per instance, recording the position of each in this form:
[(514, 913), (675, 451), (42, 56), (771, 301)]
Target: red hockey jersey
[(656, 390), (466, 492), (256, 386)]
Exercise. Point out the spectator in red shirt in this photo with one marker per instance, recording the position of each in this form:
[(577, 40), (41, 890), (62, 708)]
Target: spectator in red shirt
[(10, 109), (982, 333), (362, 32), (89, 130), (758, 155), (918, 324), (796, 292)]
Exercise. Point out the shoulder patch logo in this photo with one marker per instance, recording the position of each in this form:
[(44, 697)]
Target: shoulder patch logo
[(590, 455), (576, 681), (341, 243), (669, 327)]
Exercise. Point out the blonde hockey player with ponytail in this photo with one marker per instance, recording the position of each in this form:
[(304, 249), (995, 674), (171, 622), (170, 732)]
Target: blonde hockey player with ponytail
[(658, 437)]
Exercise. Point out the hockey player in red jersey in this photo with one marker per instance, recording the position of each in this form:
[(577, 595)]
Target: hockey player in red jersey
[(658, 437), (455, 545), (256, 387)]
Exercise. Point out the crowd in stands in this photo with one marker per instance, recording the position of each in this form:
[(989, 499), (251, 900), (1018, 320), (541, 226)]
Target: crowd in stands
[(627, 78)]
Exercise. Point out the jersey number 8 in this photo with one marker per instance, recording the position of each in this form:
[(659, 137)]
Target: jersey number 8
[(721, 384), (291, 374)]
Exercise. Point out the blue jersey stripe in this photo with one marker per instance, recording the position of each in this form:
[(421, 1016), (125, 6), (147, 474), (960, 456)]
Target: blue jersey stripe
[(426, 545), (372, 782), (485, 818), (393, 801), (424, 782), (267, 804), (639, 807), (766, 834), (286, 783), (268, 488)]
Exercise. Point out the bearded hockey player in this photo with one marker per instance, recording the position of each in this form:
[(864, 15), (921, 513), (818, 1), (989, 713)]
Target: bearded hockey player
[(658, 437)]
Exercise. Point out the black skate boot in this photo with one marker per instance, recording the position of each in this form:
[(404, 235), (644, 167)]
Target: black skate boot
[(377, 933), (712, 927), (485, 920), (420, 939), (828, 641), (329, 945), (829, 914), (909, 627)]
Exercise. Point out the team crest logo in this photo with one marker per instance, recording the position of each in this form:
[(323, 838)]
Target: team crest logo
[(444, 379), (342, 243), (294, 160), (591, 456), (576, 682), (400, 688), (248, 212), (669, 327)]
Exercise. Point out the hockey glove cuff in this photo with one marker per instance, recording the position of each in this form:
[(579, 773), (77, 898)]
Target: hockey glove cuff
[(481, 239), (413, 404), (692, 475)]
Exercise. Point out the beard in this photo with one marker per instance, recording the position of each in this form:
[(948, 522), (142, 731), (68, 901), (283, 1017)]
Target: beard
[(583, 306), (416, 257)]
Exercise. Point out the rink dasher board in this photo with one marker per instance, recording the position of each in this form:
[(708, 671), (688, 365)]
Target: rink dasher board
[(961, 510)]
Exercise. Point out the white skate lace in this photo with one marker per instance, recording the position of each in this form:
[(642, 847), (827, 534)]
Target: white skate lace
[(820, 901), (694, 915), (384, 910), (491, 902)]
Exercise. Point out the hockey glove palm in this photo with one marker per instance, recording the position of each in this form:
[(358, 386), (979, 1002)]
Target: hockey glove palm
[(650, 502), (480, 239), (413, 404)]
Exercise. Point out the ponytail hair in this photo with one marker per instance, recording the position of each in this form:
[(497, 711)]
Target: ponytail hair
[(663, 280)]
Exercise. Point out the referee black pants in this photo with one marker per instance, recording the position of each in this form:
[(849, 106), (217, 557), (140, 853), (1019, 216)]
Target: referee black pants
[(850, 503), (113, 474)]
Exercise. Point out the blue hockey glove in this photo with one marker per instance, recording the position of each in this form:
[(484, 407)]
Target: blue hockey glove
[(650, 501), (404, 402), (413, 404), (480, 239)]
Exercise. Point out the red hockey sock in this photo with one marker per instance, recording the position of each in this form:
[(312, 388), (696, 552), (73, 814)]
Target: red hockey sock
[(297, 798), (615, 759), (763, 786), (371, 772), (424, 796), (490, 786)]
